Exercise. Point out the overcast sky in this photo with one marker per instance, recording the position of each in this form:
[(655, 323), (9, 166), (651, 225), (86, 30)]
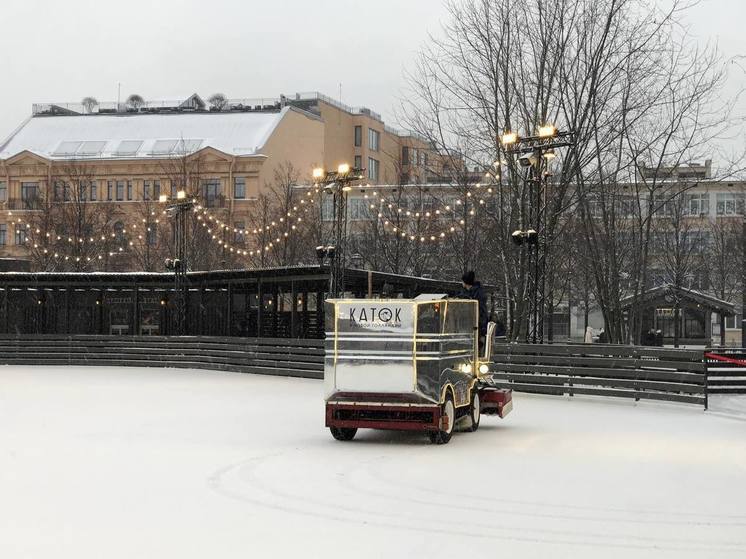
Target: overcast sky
[(63, 51)]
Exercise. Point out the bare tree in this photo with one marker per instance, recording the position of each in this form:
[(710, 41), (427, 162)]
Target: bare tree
[(89, 103), (217, 101), (725, 262), (135, 101), (73, 232), (678, 250), (622, 75)]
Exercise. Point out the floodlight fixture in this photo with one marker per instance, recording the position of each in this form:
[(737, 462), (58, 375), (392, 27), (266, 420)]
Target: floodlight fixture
[(547, 131)]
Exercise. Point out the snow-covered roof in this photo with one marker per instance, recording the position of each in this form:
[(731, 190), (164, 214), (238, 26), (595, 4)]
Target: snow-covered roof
[(142, 136)]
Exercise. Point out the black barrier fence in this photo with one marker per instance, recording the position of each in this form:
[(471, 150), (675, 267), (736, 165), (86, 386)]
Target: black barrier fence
[(603, 370), (273, 302), (726, 370), (273, 356)]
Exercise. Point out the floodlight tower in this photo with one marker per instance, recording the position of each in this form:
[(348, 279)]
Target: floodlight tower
[(534, 153), (337, 183), (178, 210)]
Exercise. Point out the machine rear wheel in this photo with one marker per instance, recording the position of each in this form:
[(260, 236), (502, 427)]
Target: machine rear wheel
[(475, 413), (449, 410), (343, 433)]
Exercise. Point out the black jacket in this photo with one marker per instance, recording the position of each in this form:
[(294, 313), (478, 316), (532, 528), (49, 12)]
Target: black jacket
[(476, 293)]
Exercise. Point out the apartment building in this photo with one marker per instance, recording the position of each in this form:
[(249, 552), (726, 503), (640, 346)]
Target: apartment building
[(119, 156)]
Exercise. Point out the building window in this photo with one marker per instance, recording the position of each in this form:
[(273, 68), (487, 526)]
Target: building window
[(30, 195), (405, 155), (120, 191), (373, 139), (151, 236), (327, 209), (358, 161), (109, 190), (211, 192), (358, 209), (733, 322), (372, 169), (3, 234), (146, 190), (3, 192), (239, 188), (94, 191), (129, 190), (156, 190), (698, 204), (239, 236), (82, 191), (119, 231), (358, 136), (20, 235), (729, 203)]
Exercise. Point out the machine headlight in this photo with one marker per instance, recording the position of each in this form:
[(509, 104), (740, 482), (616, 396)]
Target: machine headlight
[(484, 369), (466, 368)]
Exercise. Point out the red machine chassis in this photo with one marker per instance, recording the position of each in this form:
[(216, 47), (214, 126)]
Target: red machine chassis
[(374, 415), (407, 417)]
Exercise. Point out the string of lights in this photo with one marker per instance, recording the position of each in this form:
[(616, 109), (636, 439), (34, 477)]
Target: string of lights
[(436, 215)]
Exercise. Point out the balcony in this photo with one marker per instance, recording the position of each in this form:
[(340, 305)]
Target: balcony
[(30, 204)]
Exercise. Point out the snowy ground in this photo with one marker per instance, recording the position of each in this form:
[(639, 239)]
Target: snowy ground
[(141, 463)]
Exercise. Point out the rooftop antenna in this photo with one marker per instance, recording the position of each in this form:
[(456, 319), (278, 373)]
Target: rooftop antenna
[(119, 96)]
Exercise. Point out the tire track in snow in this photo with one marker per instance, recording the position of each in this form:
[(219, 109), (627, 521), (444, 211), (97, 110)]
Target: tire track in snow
[(241, 481)]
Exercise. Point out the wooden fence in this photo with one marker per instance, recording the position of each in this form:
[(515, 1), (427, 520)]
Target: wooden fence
[(603, 370), (595, 369), (726, 370), (287, 357)]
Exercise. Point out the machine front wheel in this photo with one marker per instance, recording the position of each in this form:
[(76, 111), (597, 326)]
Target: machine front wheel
[(449, 410), (475, 413), (343, 433)]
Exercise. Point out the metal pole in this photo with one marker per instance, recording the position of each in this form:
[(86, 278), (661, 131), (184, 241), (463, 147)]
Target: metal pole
[(743, 284)]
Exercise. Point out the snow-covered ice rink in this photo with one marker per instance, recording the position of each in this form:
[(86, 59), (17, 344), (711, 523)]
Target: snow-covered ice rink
[(158, 463)]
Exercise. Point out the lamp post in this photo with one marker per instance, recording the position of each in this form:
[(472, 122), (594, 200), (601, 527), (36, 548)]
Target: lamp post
[(534, 153), (178, 210), (338, 184)]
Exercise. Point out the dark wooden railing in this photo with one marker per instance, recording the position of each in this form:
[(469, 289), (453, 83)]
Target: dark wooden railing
[(298, 358), (603, 370), (589, 369)]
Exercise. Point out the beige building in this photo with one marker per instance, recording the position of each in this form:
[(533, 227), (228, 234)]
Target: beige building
[(116, 157)]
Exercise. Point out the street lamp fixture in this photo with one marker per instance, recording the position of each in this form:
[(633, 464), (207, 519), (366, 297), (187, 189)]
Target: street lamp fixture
[(181, 195), (318, 173), (509, 138)]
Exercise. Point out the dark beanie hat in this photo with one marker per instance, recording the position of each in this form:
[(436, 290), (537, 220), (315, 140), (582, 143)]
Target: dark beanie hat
[(468, 277)]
